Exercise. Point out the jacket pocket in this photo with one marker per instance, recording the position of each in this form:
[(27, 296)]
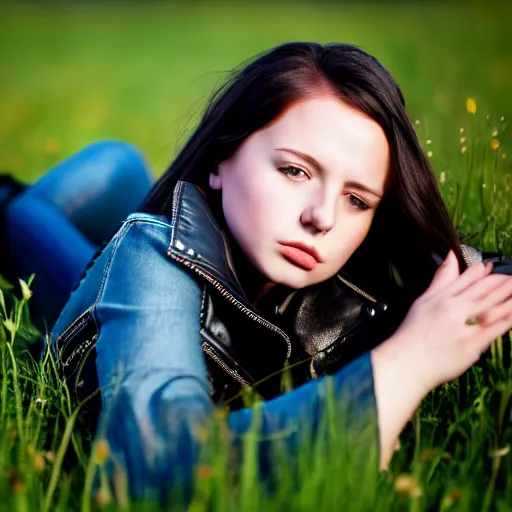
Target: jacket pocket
[(76, 358)]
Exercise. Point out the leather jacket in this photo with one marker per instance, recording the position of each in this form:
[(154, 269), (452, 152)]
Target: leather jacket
[(302, 334)]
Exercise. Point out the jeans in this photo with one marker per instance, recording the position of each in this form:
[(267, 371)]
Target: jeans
[(54, 227)]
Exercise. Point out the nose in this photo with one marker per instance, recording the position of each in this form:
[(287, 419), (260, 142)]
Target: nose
[(320, 213)]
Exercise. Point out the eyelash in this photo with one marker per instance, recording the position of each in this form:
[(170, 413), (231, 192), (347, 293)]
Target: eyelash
[(357, 203)]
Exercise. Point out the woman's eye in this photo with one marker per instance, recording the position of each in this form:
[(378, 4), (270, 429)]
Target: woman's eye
[(357, 203), (292, 171)]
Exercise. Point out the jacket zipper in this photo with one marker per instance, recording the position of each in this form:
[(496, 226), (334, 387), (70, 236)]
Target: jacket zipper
[(211, 352), (356, 289), (235, 302)]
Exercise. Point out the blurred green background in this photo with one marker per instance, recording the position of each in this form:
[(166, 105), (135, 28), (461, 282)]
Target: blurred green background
[(79, 71)]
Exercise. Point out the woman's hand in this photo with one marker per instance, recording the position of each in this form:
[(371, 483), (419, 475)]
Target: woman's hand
[(434, 344)]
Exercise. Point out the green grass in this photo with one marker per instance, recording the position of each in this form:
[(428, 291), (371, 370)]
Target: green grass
[(71, 74)]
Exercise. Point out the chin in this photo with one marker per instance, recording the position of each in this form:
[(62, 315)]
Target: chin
[(292, 277)]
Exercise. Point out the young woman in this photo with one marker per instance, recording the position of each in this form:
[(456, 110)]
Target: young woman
[(300, 229)]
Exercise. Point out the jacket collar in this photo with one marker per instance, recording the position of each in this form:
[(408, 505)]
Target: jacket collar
[(198, 240)]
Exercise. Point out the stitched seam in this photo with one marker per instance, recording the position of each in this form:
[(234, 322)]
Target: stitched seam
[(68, 334), (175, 214), (202, 312)]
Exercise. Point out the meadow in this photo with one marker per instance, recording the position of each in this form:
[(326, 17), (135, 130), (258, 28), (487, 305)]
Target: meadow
[(75, 72)]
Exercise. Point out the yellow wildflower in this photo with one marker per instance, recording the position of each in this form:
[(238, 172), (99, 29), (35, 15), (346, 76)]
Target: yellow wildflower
[(495, 144), (471, 105), (50, 457), (463, 140), (408, 486), (102, 451), (102, 497), (205, 472), (38, 462), (26, 292), (451, 498)]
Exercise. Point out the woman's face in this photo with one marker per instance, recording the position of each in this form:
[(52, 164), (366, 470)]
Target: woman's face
[(299, 195)]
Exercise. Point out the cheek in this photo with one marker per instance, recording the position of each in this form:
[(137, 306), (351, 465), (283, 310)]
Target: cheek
[(350, 240)]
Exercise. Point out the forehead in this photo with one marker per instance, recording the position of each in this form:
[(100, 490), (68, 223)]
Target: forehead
[(344, 140)]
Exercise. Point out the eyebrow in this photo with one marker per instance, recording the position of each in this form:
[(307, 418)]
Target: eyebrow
[(314, 162)]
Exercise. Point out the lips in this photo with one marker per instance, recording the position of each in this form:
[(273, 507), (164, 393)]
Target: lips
[(300, 254)]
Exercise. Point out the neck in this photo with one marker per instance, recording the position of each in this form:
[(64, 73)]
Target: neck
[(254, 284)]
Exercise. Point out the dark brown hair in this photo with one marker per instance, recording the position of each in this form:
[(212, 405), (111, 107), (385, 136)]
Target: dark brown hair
[(411, 223)]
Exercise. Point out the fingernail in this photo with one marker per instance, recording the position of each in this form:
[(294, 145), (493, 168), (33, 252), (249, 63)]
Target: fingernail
[(448, 256)]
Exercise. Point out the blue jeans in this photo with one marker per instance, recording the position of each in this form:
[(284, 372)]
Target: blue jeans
[(54, 227)]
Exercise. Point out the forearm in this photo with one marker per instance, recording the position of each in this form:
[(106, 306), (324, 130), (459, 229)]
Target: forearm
[(300, 412), (398, 394)]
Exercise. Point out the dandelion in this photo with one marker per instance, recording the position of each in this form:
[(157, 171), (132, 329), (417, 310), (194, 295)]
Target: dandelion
[(430, 154), (471, 105), (495, 144), (102, 451), (408, 486), (463, 149), (429, 141), (442, 177), (463, 140)]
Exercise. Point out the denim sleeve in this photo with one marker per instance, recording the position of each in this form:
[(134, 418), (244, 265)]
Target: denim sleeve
[(152, 373), (150, 365)]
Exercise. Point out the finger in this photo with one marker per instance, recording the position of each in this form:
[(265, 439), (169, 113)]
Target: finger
[(446, 274), (489, 316), (487, 287), (470, 276)]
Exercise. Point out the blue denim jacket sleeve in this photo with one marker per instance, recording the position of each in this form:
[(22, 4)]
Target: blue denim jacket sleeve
[(151, 367)]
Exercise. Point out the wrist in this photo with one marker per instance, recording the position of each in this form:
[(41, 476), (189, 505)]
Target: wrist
[(397, 360)]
